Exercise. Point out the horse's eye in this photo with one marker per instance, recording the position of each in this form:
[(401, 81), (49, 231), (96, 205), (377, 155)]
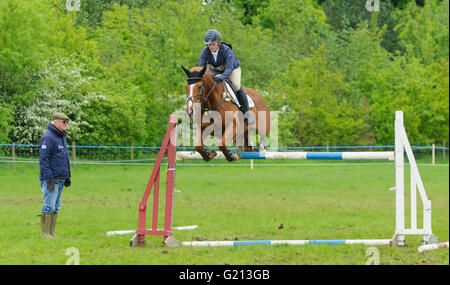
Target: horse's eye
[(199, 88)]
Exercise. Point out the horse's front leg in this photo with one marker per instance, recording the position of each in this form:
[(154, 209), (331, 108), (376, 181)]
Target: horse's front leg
[(206, 155), (227, 136), (229, 155)]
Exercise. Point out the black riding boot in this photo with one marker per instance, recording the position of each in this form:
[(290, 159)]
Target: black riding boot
[(242, 97)]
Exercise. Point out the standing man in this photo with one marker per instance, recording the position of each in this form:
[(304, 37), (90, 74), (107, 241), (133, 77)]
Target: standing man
[(54, 171)]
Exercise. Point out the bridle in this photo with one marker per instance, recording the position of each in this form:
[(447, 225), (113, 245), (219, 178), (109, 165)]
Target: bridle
[(203, 98)]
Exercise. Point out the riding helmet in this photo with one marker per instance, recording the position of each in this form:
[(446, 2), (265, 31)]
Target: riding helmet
[(212, 36)]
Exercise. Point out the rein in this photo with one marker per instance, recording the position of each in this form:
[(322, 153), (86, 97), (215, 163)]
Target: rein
[(203, 99)]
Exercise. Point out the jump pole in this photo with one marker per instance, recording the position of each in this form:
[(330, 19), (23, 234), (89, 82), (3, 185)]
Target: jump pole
[(372, 155), (287, 242), (125, 232), (426, 247)]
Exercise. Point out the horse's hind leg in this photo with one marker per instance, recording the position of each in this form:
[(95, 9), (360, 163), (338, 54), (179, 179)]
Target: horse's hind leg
[(262, 144), (247, 144)]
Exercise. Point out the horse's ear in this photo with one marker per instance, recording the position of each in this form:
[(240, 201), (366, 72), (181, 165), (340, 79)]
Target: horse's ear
[(203, 71), (186, 71)]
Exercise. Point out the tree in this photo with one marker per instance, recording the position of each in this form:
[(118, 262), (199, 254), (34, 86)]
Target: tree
[(316, 112), (250, 8), (424, 31), (36, 39), (5, 120)]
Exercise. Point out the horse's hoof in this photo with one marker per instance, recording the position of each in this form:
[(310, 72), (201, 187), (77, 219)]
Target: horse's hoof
[(212, 154), (206, 157), (236, 156)]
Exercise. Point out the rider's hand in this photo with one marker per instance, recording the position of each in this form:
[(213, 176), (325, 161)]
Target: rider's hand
[(67, 182), (218, 78)]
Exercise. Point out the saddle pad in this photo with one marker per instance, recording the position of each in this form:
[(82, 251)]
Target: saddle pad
[(251, 104)]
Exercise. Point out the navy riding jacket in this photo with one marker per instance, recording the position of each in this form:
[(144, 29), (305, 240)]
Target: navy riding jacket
[(53, 155), (225, 58)]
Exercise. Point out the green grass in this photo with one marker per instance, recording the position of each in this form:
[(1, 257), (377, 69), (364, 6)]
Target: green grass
[(227, 203)]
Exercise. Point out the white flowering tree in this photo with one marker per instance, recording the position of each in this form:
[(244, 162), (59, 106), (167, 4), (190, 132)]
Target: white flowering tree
[(62, 88)]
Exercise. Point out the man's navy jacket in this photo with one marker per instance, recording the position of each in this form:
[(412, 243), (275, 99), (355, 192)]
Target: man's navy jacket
[(53, 155), (225, 57)]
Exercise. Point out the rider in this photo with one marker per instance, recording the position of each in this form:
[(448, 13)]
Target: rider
[(224, 65)]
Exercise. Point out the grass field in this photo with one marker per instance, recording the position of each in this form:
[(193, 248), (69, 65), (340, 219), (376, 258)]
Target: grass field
[(342, 201)]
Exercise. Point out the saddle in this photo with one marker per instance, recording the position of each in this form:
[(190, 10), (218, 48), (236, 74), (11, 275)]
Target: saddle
[(230, 95)]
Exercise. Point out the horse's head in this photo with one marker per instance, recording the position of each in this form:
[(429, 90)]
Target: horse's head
[(195, 87)]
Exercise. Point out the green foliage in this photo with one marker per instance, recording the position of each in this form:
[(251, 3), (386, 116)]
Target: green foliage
[(250, 8), (298, 27), (318, 111), (5, 120), (424, 31), (23, 32)]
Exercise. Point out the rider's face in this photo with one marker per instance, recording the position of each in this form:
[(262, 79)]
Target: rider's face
[(213, 47)]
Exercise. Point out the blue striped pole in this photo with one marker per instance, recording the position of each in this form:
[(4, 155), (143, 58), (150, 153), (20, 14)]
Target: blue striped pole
[(381, 155), (287, 242)]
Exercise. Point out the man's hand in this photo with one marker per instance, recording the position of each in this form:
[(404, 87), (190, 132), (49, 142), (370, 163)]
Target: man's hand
[(51, 185), (218, 78), (67, 182)]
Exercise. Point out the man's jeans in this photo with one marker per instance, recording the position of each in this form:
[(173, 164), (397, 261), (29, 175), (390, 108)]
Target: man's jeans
[(52, 199)]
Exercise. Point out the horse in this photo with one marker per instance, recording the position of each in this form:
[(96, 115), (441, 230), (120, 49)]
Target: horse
[(203, 91)]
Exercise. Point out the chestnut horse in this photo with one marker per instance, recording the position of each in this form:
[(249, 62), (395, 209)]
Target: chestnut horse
[(203, 91)]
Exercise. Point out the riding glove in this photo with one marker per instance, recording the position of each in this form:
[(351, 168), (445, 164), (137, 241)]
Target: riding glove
[(218, 78)]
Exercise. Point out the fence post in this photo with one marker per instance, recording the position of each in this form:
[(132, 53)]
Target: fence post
[(132, 151), (432, 153), (443, 151), (13, 153), (74, 154)]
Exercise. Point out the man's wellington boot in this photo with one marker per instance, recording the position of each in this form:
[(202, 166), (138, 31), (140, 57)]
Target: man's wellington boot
[(242, 97), (45, 225), (53, 225)]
